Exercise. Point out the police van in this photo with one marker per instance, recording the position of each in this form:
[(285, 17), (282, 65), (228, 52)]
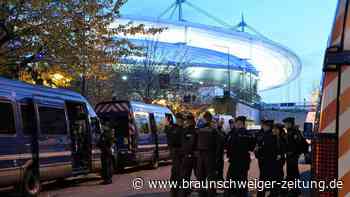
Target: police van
[(139, 131), (45, 134), (331, 143)]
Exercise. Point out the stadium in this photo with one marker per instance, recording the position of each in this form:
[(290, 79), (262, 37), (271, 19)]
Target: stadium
[(238, 59)]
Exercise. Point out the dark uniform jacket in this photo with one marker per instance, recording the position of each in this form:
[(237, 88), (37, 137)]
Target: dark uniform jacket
[(107, 140), (174, 135), (294, 140), (189, 139), (239, 145), (267, 147)]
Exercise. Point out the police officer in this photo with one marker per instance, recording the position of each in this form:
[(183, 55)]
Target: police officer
[(206, 154), (220, 140), (229, 136), (239, 146), (189, 140), (281, 145), (294, 140), (174, 134), (267, 154), (105, 144)]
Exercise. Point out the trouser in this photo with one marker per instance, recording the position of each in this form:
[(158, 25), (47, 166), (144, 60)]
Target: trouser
[(107, 167), (206, 171), (237, 171), (293, 172), (188, 165), (220, 168), (270, 170), (175, 173)]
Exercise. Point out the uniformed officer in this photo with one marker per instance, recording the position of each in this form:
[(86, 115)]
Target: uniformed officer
[(105, 144), (221, 140), (279, 133), (206, 154), (229, 135), (174, 134), (294, 139), (189, 140), (239, 146), (266, 153)]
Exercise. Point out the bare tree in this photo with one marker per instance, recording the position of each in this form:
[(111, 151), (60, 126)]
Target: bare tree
[(160, 70)]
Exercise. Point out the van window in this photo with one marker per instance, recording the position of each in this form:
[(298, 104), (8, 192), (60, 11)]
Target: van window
[(52, 121), (160, 122), (142, 122), (95, 125), (28, 118), (7, 125)]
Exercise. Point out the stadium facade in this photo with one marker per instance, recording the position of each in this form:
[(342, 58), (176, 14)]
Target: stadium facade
[(220, 56)]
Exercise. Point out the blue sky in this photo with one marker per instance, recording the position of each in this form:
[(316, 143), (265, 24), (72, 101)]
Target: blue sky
[(301, 25)]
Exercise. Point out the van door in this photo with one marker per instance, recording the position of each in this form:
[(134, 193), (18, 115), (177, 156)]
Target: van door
[(80, 136), (55, 158), (155, 139), (30, 148), (162, 138), (145, 143), (9, 151)]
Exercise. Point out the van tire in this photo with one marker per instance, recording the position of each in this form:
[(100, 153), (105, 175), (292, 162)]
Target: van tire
[(30, 186)]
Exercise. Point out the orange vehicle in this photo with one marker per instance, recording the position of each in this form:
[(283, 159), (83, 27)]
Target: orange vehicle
[(331, 145)]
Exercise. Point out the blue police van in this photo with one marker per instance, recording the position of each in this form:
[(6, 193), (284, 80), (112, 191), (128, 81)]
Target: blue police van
[(139, 131), (45, 134)]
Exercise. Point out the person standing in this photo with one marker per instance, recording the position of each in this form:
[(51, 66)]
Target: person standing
[(294, 140), (206, 154), (189, 139), (279, 134), (229, 136), (174, 136), (239, 146), (267, 155), (220, 141), (105, 144)]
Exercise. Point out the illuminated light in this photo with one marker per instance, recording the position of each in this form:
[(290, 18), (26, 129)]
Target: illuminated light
[(124, 77), (276, 64), (57, 77), (211, 110), (201, 82)]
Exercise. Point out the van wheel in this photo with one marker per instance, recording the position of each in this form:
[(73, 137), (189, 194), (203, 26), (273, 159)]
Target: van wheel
[(31, 184)]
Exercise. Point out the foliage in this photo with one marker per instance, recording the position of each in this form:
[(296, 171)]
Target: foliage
[(75, 38)]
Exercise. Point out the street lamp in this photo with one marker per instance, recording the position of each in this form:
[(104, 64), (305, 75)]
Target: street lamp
[(124, 77)]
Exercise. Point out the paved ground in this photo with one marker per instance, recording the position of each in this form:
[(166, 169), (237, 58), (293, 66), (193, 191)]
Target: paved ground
[(89, 186)]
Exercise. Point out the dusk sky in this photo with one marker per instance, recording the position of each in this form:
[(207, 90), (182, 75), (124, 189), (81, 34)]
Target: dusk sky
[(300, 25)]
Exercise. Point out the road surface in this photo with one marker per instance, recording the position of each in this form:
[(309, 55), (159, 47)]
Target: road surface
[(89, 186)]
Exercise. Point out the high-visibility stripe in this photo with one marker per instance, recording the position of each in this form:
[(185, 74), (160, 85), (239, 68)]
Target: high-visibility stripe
[(329, 78), (329, 103), (344, 164), (346, 187), (328, 115), (344, 122), (329, 93), (344, 143), (344, 131)]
